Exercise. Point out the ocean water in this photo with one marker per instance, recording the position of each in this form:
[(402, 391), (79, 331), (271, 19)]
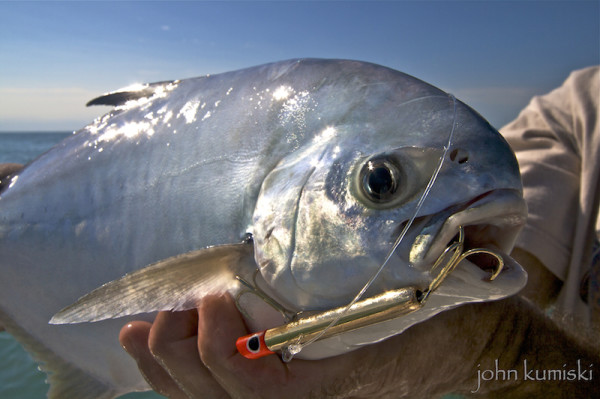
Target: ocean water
[(24, 147), (19, 375)]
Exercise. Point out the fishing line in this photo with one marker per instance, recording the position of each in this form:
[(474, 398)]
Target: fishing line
[(290, 351)]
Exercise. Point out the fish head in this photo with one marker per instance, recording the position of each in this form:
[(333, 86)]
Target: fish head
[(329, 216)]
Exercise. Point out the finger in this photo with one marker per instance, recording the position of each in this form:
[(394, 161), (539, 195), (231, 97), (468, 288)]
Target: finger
[(219, 326), (173, 342), (134, 339)]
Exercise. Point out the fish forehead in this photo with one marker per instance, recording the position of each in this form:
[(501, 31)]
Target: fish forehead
[(478, 158)]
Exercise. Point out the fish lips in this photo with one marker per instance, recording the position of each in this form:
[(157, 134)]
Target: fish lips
[(492, 220)]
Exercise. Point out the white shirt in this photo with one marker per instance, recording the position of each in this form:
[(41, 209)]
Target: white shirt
[(557, 142)]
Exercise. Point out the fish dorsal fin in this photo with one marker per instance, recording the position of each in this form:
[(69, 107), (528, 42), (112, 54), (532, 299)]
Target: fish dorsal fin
[(135, 92), (176, 283), (66, 381), (7, 172)]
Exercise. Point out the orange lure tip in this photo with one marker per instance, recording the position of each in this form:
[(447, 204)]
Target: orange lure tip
[(253, 346)]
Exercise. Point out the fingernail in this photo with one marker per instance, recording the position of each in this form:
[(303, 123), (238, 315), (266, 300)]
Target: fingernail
[(128, 344)]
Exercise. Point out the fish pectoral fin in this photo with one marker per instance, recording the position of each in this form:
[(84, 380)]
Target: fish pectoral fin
[(176, 283)]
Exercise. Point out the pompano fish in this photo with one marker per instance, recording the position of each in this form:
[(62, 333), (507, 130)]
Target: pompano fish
[(305, 171)]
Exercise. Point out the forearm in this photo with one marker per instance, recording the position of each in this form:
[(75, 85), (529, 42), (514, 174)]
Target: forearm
[(546, 360), (473, 350), (523, 353)]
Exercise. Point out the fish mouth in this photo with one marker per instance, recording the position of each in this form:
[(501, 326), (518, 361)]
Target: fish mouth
[(491, 221)]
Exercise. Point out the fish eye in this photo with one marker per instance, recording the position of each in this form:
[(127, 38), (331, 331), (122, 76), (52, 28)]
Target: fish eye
[(379, 180)]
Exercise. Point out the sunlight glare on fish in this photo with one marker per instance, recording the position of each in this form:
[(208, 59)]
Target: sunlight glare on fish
[(295, 109), (13, 181), (282, 93), (134, 87), (189, 111), (327, 134), (128, 130), (134, 103), (167, 116), (336, 151)]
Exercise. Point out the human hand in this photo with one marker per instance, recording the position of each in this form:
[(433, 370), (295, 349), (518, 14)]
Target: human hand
[(193, 354)]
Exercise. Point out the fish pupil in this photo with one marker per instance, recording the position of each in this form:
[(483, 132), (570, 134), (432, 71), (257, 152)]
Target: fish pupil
[(380, 182)]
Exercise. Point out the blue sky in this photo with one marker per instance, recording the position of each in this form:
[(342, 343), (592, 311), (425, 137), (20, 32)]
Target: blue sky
[(494, 55)]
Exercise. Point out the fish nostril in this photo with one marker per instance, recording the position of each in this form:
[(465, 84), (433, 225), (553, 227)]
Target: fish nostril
[(459, 155)]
